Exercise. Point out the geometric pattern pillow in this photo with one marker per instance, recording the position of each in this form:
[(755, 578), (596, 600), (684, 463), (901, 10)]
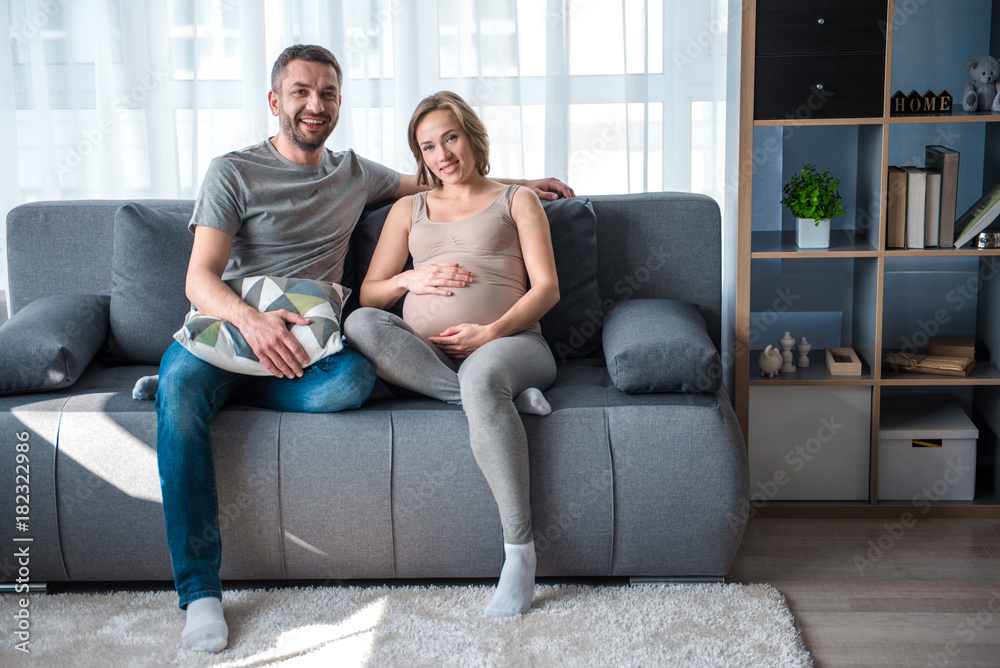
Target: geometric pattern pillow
[(221, 344)]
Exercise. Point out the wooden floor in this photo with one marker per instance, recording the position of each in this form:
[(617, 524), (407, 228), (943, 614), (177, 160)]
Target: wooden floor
[(883, 592)]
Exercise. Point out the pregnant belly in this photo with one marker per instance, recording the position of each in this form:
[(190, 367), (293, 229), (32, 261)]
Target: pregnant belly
[(478, 303)]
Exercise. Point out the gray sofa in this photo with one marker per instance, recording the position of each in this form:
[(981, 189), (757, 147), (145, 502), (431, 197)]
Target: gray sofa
[(640, 470)]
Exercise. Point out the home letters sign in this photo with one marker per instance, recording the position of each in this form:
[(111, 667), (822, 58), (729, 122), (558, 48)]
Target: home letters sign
[(915, 103)]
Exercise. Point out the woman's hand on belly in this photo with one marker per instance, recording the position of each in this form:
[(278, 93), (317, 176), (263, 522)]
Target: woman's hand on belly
[(434, 279), (460, 341)]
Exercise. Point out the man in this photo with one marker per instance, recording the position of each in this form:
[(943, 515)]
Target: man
[(284, 207)]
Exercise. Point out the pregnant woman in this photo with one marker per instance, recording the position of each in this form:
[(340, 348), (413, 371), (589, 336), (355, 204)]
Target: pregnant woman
[(469, 334)]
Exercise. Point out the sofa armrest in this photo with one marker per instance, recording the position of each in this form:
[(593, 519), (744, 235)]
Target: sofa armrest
[(49, 343), (660, 345)]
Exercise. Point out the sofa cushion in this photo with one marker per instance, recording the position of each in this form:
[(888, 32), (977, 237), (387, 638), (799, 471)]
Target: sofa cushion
[(660, 345), (360, 251), (48, 344), (148, 269), (573, 326), (219, 343)]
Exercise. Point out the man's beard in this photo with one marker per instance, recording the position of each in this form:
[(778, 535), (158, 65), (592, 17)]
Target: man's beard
[(297, 139)]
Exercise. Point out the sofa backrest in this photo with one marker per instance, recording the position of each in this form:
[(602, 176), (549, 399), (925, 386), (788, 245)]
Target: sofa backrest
[(662, 245), (63, 248), (651, 245)]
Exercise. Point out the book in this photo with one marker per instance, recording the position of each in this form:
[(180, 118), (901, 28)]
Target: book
[(945, 160), (978, 217), (932, 209), (916, 188), (895, 236)]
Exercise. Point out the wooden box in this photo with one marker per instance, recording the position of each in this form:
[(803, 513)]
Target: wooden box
[(843, 362)]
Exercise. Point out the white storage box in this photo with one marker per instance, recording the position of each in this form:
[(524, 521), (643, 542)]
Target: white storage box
[(926, 451), (809, 443)]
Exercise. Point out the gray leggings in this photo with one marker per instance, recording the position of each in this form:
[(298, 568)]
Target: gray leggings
[(484, 384)]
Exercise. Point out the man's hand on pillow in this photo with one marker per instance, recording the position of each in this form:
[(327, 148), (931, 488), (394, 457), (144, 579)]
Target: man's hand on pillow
[(268, 336)]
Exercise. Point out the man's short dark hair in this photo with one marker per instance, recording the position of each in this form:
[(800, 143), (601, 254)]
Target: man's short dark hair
[(310, 52)]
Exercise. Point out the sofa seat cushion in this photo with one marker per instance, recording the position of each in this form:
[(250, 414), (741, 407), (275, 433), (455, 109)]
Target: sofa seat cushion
[(101, 377), (586, 384), (48, 344), (606, 467)]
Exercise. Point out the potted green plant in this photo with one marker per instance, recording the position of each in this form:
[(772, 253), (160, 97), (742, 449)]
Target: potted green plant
[(813, 198)]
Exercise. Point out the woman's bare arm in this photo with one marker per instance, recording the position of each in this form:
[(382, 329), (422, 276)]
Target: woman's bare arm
[(386, 281)]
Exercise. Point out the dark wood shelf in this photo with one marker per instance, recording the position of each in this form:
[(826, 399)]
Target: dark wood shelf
[(959, 115)]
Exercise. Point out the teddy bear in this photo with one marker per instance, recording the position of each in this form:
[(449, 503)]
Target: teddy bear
[(981, 93)]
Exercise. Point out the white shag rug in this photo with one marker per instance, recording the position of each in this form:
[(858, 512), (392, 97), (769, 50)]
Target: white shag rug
[(568, 625)]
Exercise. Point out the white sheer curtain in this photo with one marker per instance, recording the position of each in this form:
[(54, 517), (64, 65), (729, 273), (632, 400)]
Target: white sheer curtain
[(132, 98)]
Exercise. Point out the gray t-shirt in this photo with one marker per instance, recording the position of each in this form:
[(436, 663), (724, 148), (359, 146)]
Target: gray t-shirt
[(287, 219)]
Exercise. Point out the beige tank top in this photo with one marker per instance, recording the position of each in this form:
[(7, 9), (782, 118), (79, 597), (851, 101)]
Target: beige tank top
[(487, 244)]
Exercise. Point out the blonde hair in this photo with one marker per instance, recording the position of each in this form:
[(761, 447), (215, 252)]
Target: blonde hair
[(469, 121)]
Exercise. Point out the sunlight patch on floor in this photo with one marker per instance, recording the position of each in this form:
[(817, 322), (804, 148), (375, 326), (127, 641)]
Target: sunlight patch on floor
[(348, 643)]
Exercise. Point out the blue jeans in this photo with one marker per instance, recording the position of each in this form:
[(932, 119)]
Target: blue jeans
[(190, 393)]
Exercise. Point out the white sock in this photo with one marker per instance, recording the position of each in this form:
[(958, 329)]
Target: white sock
[(145, 388), (205, 629), (533, 402), (517, 582)]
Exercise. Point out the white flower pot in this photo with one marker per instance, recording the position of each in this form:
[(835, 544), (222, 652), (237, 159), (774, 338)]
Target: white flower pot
[(810, 235)]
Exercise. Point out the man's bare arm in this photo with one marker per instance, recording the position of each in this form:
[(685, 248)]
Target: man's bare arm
[(546, 189), (266, 333)]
